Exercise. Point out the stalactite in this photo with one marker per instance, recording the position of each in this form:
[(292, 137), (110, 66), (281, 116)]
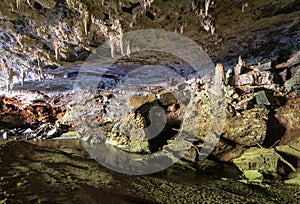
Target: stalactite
[(22, 75), (9, 78), (29, 2), (18, 4), (244, 6), (93, 19), (19, 40), (38, 58), (12, 7), (128, 50), (86, 20), (9, 73), (112, 47), (194, 6), (40, 74), (207, 5), (56, 44), (121, 42)]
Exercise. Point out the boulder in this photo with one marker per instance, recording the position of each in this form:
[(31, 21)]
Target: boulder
[(138, 101), (247, 129), (234, 118), (262, 99), (289, 117), (293, 84), (258, 159), (255, 163), (255, 78), (128, 134)]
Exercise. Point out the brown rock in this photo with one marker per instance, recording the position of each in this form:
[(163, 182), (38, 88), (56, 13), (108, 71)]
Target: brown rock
[(239, 68), (138, 101), (289, 117), (232, 154), (255, 78), (17, 113), (167, 98)]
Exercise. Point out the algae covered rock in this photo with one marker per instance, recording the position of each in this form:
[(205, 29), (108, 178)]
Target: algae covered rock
[(256, 163)]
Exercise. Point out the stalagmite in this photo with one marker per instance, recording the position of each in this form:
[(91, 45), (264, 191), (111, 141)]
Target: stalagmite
[(8, 74), (229, 79), (239, 66), (219, 74), (212, 29), (181, 29)]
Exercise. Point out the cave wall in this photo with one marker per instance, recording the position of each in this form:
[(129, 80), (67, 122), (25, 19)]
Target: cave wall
[(38, 35)]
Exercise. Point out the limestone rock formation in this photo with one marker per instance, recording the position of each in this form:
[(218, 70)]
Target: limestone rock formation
[(129, 134)]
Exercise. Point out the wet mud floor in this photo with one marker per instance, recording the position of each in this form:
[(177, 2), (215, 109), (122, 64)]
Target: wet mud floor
[(31, 173)]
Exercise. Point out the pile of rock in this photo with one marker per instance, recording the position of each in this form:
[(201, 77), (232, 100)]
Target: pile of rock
[(228, 116), (34, 118)]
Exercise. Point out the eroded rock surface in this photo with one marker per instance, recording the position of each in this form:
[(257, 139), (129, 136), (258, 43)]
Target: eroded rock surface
[(289, 117)]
